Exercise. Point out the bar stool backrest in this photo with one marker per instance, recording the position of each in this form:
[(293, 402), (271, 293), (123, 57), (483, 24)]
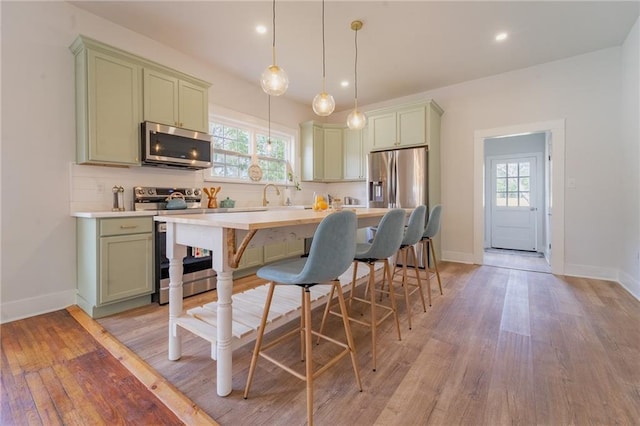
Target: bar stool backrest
[(433, 224), (388, 237), (332, 249), (415, 227)]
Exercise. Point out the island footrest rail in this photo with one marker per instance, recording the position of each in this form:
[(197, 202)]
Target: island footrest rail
[(248, 307)]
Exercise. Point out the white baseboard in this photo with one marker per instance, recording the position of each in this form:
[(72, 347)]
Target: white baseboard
[(630, 284), (33, 306), (457, 256), (587, 271)]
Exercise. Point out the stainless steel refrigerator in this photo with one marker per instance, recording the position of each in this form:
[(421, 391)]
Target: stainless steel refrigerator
[(399, 178)]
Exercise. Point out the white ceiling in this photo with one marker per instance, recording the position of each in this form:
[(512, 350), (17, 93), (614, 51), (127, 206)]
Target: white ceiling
[(405, 47)]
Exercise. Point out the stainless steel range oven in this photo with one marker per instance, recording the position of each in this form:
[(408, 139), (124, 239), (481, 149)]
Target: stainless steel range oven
[(197, 276)]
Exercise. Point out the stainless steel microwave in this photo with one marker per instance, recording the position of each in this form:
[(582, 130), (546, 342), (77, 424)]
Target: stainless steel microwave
[(167, 146)]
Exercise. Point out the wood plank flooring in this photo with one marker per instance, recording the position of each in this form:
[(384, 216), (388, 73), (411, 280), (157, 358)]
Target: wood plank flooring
[(512, 259), (54, 373), (500, 347)]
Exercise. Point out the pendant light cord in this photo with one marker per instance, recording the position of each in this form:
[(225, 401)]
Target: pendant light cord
[(355, 70), (269, 119), (323, 57), (273, 43)]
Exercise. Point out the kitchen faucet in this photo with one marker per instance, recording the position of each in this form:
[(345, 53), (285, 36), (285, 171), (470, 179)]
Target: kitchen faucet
[(264, 193)]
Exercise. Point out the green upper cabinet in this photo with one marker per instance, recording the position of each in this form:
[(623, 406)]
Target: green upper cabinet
[(354, 155), (312, 150), (108, 106), (116, 91), (407, 125), (175, 102), (330, 153)]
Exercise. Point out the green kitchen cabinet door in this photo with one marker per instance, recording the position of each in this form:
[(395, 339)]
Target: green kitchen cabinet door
[(175, 102), (125, 267), (108, 117), (354, 155)]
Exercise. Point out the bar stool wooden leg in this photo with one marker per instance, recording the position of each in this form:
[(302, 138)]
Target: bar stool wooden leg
[(347, 330), (425, 261), (417, 271), (405, 284), (306, 307), (258, 346), (374, 320), (302, 325), (325, 315), (353, 283), (435, 264), (392, 295)]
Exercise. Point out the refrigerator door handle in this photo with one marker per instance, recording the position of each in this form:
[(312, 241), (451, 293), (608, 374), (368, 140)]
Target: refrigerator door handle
[(393, 179)]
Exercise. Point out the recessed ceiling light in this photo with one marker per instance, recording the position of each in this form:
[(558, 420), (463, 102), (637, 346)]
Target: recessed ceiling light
[(501, 36), (261, 29), (344, 83)]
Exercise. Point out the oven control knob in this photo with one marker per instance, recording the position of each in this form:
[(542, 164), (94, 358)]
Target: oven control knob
[(196, 192), (150, 191), (140, 191), (188, 192)]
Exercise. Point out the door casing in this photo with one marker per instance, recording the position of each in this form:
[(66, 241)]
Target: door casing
[(556, 131)]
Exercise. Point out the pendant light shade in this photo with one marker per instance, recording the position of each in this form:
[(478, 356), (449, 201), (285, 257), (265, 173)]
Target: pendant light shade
[(274, 80), (356, 119), (323, 104)]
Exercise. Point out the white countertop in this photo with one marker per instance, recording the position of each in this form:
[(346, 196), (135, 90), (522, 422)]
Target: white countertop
[(106, 214), (133, 213), (265, 219)]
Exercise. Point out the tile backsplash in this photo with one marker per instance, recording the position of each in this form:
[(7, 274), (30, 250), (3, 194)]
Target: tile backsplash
[(91, 187)]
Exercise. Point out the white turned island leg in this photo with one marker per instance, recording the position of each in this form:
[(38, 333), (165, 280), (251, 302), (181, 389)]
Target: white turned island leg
[(224, 352), (175, 254)]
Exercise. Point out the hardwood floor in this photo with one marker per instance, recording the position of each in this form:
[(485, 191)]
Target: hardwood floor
[(500, 347), (54, 372), (513, 259)]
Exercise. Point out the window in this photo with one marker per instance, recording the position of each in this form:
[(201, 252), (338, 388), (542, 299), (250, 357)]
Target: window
[(513, 184), (237, 145)]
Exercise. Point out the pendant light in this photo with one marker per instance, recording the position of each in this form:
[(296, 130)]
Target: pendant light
[(274, 80), (323, 104), (356, 119)]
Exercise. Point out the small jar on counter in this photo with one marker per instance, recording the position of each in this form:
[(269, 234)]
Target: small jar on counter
[(337, 204)]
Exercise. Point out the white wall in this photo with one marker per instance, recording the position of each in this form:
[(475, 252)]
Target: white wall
[(629, 160), (39, 181)]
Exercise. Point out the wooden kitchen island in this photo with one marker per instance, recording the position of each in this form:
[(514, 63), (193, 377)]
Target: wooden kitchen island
[(227, 235)]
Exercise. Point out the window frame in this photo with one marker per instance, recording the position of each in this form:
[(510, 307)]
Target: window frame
[(255, 126)]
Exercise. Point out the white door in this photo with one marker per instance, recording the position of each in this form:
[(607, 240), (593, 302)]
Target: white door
[(513, 209)]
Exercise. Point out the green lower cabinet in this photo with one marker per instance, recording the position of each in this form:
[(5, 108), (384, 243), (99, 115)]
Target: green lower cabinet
[(124, 267), (114, 264), (254, 258), (274, 252)]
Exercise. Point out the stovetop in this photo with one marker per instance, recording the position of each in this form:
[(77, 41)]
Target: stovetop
[(155, 198)]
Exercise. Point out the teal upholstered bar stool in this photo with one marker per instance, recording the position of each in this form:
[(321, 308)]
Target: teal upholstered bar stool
[(430, 231), (385, 244), (407, 253), (331, 253)]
